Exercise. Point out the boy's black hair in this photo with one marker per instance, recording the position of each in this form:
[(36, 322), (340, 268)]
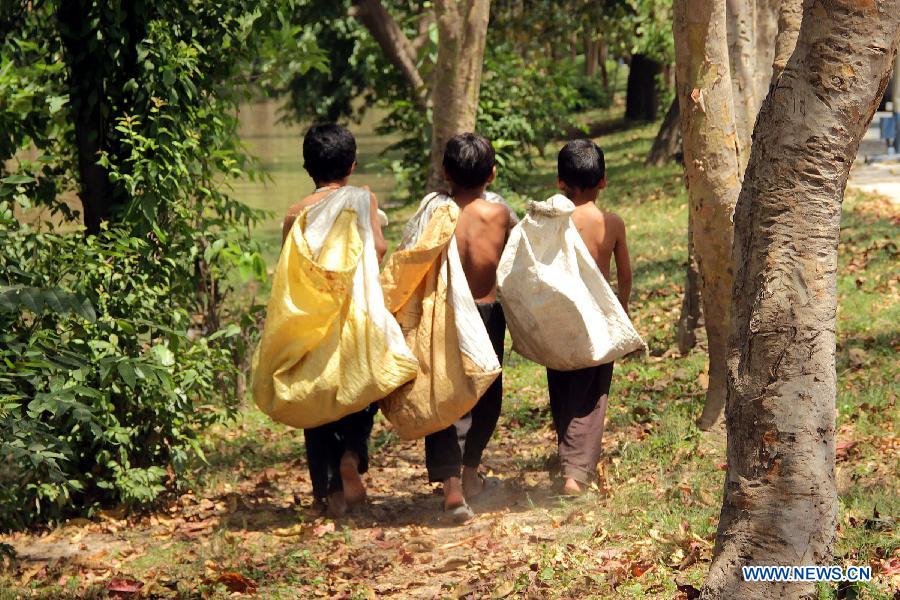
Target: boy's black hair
[(469, 160), (581, 164), (329, 152)]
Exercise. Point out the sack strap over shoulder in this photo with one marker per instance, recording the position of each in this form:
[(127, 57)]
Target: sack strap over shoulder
[(554, 206)]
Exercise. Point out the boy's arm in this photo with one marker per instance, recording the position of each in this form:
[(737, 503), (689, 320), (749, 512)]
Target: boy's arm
[(623, 265), (380, 244), (286, 226)]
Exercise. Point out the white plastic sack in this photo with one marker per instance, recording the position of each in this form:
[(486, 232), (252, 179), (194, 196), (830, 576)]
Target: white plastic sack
[(560, 310)]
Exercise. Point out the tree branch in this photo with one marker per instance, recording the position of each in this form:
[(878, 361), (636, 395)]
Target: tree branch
[(393, 42)]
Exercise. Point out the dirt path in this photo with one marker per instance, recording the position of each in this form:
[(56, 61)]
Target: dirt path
[(882, 178), (260, 536)]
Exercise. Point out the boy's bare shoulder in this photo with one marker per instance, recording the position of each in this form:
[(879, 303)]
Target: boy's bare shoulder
[(612, 220), (492, 212)]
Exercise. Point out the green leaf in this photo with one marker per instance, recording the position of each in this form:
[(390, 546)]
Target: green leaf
[(127, 373), (17, 179)]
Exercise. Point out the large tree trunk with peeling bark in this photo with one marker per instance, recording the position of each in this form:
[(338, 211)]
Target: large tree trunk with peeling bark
[(790, 13), (766, 34), (711, 170), (780, 501), (462, 30)]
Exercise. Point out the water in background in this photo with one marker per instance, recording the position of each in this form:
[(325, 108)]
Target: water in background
[(279, 147)]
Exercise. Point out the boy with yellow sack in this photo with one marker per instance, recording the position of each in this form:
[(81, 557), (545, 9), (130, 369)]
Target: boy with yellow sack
[(330, 349), (441, 285)]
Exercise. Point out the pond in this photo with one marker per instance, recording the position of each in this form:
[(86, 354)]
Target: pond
[(279, 147)]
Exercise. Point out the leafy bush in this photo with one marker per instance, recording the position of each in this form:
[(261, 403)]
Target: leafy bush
[(118, 348)]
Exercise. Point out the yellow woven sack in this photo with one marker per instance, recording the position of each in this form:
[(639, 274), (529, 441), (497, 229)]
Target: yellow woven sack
[(329, 347), (426, 290)]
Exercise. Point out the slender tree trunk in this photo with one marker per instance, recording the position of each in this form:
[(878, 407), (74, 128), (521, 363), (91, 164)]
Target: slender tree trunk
[(642, 95), (711, 169), (766, 34), (790, 13), (668, 139), (741, 26), (691, 311), (602, 57), (462, 30), (780, 501), (393, 42), (591, 51), (85, 84)]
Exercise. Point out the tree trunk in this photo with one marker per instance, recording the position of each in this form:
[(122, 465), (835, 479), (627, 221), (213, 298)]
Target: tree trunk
[(766, 34), (85, 83), (668, 139), (686, 334), (462, 29), (711, 170), (591, 51), (780, 502), (394, 43), (642, 95), (790, 13), (741, 26), (602, 57)]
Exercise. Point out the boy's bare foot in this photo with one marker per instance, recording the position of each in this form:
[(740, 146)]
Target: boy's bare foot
[(572, 487), (455, 502), (453, 493), (354, 489), (337, 504), (474, 483)]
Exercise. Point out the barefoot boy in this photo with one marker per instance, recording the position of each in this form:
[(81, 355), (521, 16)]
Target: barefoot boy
[(452, 456), (337, 452), (578, 399)]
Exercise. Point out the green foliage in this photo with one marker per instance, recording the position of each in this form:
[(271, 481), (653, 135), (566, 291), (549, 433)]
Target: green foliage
[(118, 348)]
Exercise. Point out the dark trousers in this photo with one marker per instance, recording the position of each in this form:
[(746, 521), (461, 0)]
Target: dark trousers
[(578, 401), (326, 444), (463, 443)]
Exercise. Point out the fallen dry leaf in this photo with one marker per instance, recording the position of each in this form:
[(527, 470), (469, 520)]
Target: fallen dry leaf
[(235, 582), (120, 586)]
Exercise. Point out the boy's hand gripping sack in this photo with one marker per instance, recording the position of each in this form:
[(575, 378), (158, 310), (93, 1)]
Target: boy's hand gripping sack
[(426, 290), (329, 347), (559, 308)]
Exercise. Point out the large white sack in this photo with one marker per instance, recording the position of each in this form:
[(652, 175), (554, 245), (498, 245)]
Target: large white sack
[(560, 310)]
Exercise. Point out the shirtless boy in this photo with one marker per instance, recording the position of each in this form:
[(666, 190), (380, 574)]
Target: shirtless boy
[(452, 456), (578, 399), (338, 452)]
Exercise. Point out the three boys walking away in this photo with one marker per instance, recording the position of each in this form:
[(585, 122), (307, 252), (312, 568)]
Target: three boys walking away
[(338, 451)]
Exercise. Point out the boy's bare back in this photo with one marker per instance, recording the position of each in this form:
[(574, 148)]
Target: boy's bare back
[(604, 235), (481, 234)]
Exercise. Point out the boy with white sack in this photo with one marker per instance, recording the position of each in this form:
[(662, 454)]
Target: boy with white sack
[(561, 311), (330, 349), (441, 286)]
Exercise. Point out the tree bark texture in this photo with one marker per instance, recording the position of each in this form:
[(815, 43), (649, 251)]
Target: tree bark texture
[(766, 34), (780, 501), (741, 28), (642, 95), (691, 312), (711, 170), (398, 49), (790, 13), (462, 30), (668, 139)]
